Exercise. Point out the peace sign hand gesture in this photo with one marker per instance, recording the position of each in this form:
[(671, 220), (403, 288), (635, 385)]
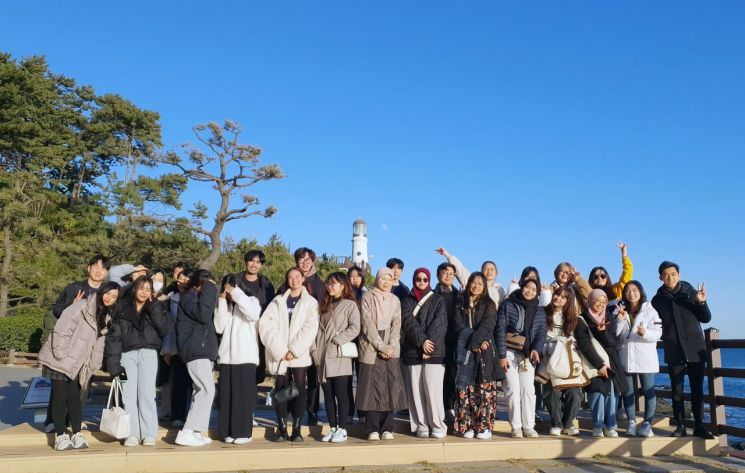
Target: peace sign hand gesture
[(701, 294), (624, 247)]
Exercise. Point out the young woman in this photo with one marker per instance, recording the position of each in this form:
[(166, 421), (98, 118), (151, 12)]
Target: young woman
[(380, 391), (565, 275), (639, 329), (521, 314), (476, 400), (237, 319), (339, 324), (288, 329), (488, 270), (197, 341), (356, 276), (71, 355), (531, 272), (599, 278), (425, 322), (562, 404), (137, 332), (602, 391), (158, 276)]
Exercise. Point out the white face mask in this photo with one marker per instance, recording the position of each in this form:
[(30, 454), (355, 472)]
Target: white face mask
[(157, 286)]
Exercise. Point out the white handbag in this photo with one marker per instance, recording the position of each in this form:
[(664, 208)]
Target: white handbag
[(590, 370), (114, 419), (348, 350)]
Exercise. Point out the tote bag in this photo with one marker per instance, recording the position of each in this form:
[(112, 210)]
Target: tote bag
[(114, 419)]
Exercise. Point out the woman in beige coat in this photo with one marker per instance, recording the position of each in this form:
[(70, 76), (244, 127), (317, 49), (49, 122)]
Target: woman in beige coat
[(339, 324), (288, 329), (380, 390)]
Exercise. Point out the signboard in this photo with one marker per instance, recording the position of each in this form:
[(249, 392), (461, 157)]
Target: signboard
[(38, 393)]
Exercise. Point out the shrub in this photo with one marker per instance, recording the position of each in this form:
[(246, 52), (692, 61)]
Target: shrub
[(21, 332)]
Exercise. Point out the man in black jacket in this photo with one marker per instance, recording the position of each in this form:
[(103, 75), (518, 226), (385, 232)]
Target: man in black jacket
[(445, 279), (399, 289), (682, 310)]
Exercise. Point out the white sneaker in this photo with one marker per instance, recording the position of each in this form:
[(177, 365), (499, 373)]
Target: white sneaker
[(62, 442), (373, 436), (438, 433), (422, 434), (339, 436), (517, 433), (205, 439), (229, 440), (148, 442), (469, 434), (485, 435), (386, 435), (177, 424), (631, 429), (255, 423), (49, 428), (597, 432), (531, 433), (570, 431), (131, 441), (78, 441), (329, 434), (645, 430), (189, 438), (242, 440), (554, 432), (610, 433)]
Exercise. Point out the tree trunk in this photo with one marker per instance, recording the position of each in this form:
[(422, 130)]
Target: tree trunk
[(216, 248), (5, 271)]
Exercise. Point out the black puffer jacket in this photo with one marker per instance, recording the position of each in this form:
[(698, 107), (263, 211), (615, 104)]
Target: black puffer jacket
[(195, 329), (482, 320), (682, 316), (430, 323), (132, 331), (608, 340)]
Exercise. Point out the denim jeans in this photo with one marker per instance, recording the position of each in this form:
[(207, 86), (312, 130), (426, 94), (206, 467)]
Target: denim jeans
[(138, 391), (603, 409), (650, 399)]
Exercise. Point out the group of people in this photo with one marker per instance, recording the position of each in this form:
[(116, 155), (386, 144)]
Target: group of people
[(439, 352)]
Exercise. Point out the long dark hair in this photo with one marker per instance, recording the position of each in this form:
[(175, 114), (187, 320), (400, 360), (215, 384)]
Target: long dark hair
[(569, 311), (359, 271), (531, 269), (607, 288), (231, 280), (347, 292), (136, 285), (199, 277), (641, 293), (101, 310), (483, 298)]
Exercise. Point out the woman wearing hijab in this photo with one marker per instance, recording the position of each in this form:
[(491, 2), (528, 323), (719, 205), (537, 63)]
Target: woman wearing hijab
[(521, 314), (380, 391), (425, 322), (478, 371), (601, 393)]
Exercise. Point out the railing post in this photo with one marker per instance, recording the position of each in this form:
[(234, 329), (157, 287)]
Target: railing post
[(12, 356), (716, 385)]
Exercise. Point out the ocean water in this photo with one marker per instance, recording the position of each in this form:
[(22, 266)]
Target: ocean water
[(731, 358)]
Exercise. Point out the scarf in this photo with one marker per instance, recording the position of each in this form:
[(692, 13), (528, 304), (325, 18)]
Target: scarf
[(598, 318), (418, 294), (530, 306), (382, 300)]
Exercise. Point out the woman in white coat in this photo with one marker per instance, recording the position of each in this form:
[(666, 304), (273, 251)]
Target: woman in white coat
[(288, 329), (639, 328), (237, 319)]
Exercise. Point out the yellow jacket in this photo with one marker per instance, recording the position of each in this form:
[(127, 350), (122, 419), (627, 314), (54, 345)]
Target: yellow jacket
[(627, 274)]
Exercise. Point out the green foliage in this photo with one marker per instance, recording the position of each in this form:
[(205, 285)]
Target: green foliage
[(21, 333)]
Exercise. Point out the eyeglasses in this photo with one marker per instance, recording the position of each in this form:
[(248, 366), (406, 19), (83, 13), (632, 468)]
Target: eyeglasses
[(422, 279)]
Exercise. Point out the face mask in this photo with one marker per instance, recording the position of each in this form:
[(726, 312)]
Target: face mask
[(157, 286)]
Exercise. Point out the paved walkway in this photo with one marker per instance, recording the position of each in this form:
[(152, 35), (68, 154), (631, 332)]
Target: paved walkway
[(13, 384)]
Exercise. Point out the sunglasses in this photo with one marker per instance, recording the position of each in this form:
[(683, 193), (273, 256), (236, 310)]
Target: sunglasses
[(600, 276), (422, 279)]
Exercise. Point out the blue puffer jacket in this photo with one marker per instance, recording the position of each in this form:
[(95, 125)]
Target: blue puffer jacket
[(534, 328)]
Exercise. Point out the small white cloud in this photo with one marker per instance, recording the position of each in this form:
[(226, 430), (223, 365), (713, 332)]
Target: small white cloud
[(384, 226)]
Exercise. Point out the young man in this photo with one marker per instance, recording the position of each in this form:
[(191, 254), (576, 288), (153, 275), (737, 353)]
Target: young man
[(445, 278), (488, 269), (97, 270), (399, 289), (683, 309)]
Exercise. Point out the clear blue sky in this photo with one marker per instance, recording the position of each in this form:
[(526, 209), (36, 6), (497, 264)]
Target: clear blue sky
[(526, 133)]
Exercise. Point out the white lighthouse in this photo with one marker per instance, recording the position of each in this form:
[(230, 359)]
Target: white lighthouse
[(359, 243)]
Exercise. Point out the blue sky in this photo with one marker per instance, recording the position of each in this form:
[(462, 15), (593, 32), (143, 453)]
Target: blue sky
[(526, 133)]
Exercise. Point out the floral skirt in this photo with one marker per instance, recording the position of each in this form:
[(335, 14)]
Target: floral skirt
[(475, 408)]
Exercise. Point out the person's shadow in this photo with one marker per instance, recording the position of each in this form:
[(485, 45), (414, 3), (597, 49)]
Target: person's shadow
[(11, 396)]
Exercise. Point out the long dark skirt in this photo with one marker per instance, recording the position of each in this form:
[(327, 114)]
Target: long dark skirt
[(380, 386)]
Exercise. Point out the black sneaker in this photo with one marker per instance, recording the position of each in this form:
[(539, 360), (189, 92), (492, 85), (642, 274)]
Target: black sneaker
[(680, 431), (701, 431)]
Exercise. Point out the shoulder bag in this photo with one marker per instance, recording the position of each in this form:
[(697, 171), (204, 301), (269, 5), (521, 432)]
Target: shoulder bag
[(115, 421)]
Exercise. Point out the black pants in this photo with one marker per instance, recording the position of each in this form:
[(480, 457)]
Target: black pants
[(313, 399), (298, 404), (237, 400), (336, 400), (377, 421), (350, 388), (180, 389), (66, 401), (448, 385), (562, 405), (695, 373)]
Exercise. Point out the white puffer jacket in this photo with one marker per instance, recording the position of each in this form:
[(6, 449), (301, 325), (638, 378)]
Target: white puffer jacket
[(639, 354), (279, 334), (239, 329)]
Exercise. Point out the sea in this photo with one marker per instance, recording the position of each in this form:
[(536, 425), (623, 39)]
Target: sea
[(731, 358)]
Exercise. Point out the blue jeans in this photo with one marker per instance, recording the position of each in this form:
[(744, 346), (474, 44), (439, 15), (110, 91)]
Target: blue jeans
[(650, 399), (603, 409)]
